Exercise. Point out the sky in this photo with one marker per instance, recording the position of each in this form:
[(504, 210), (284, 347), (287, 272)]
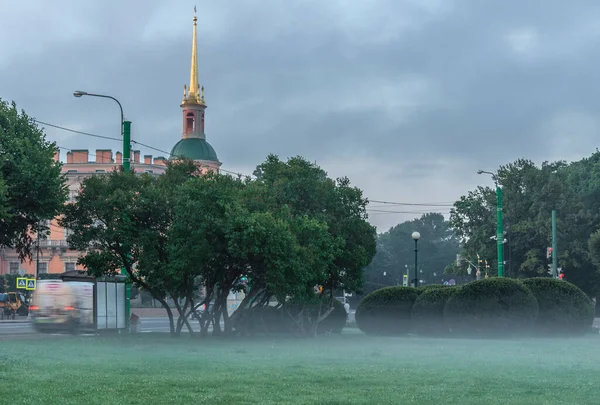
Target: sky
[(407, 98)]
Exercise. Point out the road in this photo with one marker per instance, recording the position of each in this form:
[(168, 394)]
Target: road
[(150, 324), (15, 328)]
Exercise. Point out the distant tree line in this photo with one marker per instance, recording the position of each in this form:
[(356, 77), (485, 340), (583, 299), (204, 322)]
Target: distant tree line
[(530, 193)]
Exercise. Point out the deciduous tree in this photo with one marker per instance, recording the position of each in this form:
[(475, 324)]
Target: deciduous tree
[(31, 187)]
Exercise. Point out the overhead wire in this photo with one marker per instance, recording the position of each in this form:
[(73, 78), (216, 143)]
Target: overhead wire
[(117, 139), (386, 203)]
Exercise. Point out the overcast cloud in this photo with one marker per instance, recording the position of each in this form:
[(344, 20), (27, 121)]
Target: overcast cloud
[(408, 98)]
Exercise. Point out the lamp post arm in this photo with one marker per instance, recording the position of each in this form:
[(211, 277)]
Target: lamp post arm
[(117, 101)]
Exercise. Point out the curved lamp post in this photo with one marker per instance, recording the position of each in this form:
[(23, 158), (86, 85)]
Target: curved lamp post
[(416, 236), (125, 127), (499, 228), (126, 134)]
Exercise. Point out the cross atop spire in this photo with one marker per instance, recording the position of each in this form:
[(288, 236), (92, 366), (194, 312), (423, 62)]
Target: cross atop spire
[(192, 94)]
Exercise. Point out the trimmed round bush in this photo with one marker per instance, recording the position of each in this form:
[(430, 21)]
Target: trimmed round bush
[(428, 310), (386, 311), (564, 308), (261, 320), (335, 321), (491, 307), (432, 287)]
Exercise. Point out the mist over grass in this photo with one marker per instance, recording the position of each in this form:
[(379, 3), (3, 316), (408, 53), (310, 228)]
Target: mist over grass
[(347, 369)]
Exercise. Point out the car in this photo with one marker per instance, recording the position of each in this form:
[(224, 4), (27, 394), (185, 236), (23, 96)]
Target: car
[(200, 309)]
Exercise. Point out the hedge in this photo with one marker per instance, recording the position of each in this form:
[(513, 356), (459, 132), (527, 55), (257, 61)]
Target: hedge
[(491, 307), (335, 321), (428, 310), (275, 320), (386, 311), (432, 287), (564, 308)]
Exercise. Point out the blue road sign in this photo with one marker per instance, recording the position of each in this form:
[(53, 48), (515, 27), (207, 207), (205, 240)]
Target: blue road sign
[(30, 284), (21, 282)]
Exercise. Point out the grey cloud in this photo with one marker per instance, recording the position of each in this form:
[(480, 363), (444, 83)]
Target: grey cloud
[(417, 94)]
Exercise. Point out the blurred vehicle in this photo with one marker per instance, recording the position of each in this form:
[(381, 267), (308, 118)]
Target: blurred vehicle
[(59, 305), (12, 304), (200, 309)]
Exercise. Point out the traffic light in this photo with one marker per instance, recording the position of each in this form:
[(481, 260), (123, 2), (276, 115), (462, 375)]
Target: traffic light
[(548, 253), (561, 275)]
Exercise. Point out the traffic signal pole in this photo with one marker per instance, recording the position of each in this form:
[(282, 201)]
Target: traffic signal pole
[(554, 243), (500, 232)]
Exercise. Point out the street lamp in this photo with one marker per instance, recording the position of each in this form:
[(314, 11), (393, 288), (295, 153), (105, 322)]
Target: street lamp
[(499, 228), (416, 236), (126, 134), (125, 127)]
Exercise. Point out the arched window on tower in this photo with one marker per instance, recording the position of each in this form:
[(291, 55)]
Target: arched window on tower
[(190, 123)]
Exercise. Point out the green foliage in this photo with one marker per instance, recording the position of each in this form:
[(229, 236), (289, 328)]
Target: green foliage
[(121, 220), (491, 307), (428, 287), (182, 231), (428, 310), (386, 311), (563, 307), (266, 319), (31, 186), (306, 191), (281, 320), (530, 194), (335, 321)]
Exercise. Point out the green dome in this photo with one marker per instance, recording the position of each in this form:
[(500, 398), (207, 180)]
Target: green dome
[(194, 149)]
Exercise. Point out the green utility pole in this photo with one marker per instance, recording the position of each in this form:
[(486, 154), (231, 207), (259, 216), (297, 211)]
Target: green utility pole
[(126, 145), (127, 168), (554, 254), (500, 233)]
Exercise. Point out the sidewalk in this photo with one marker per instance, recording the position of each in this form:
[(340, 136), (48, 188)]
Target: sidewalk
[(18, 319), (151, 312)]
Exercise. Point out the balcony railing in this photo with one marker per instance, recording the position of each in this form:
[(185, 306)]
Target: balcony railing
[(53, 243)]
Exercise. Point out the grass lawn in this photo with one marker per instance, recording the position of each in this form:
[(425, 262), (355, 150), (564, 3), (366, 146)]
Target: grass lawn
[(348, 369)]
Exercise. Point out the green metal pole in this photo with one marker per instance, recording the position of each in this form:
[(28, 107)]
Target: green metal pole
[(500, 233), (416, 263), (127, 168), (126, 145), (554, 254)]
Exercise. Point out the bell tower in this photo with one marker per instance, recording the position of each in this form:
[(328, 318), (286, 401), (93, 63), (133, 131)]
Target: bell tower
[(193, 104)]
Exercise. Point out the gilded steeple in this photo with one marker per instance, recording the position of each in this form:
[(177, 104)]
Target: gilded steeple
[(192, 94)]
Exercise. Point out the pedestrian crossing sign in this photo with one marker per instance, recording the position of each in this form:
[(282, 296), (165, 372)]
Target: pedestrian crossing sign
[(30, 284), (21, 282)]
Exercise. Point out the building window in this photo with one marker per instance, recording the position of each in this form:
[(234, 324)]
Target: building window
[(68, 232), (13, 267), (43, 268), (100, 171), (190, 123), (69, 266)]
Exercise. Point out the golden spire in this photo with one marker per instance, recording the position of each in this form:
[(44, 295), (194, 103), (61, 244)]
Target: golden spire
[(193, 89)]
